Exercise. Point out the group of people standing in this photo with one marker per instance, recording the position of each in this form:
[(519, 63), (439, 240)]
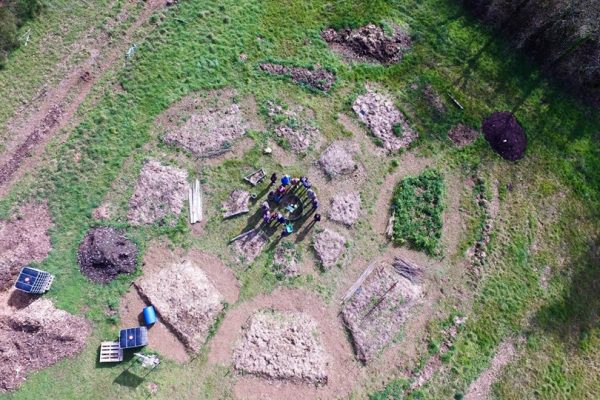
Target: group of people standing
[(288, 184)]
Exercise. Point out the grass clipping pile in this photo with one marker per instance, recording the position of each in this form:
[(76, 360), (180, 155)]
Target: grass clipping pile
[(36, 337), (338, 159), (282, 346), (160, 192), (23, 239), (186, 300), (205, 126), (329, 247), (378, 308), (105, 253)]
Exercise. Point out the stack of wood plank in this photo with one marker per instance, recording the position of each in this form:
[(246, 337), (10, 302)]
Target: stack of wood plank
[(195, 198)]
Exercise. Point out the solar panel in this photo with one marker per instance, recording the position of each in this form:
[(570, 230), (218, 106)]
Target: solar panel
[(33, 280), (133, 337)]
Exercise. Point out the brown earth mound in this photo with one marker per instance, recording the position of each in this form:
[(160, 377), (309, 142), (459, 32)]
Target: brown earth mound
[(286, 260), (376, 311), (329, 246), (237, 203), (160, 192), (505, 135), (282, 345), (36, 337), (338, 159), (250, 246), (345, 208), (368, 43), (186, 300), (463, 135), (207, 126), (23, 239), (315, 78), (105, 253), (384, 120)]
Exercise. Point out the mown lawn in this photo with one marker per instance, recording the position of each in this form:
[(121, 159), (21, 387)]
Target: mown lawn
[(197, 47)]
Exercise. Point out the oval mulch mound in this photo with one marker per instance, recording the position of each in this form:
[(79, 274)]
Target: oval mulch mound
[(505, 135), (105, 253)]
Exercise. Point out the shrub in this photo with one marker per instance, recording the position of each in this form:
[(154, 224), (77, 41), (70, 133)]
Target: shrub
[(418, 202)]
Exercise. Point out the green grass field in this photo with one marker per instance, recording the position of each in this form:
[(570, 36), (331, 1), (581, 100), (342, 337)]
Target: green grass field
[(548, 218)]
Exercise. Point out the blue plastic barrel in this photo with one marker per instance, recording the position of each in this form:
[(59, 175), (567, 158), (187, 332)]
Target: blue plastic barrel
[(149, 315)]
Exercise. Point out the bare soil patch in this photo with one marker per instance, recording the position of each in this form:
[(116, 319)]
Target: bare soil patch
[(103, 212), (505, 135), (368, 43), (160, 192), (105, 253), (206, 126), (286, 260), (282, 345), (250, 246), (46, 125), (482, 387), (185, 299), (463, 135), (314, 78), (384, 120), (338, 159), (343, 373), (345, 208), (160, 337), (329, 247), (376, 311), (23, 238), (36, 337), (237, 203)]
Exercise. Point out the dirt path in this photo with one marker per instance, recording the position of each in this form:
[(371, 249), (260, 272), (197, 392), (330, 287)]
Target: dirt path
[(481, 389), (344, 373), (60, 104)]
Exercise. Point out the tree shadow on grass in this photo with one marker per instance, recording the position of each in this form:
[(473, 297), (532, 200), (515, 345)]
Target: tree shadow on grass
[(571, 317)]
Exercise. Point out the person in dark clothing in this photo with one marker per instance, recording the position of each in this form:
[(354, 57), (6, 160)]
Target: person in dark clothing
[(273, 179), (317, 217)]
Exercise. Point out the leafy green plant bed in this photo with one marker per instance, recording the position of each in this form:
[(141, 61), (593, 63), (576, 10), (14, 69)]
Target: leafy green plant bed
[(418, 204)]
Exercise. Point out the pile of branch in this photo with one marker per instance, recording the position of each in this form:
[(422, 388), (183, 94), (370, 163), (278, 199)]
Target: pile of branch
[(407, 269)]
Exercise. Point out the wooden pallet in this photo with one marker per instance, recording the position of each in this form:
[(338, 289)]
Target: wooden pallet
[(110, 352)]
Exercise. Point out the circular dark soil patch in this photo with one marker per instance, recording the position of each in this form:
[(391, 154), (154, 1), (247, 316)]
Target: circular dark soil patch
[(105, 253), (505, 135)]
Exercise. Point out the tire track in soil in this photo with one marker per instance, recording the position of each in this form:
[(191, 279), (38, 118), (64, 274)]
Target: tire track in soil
[(57, 108)]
